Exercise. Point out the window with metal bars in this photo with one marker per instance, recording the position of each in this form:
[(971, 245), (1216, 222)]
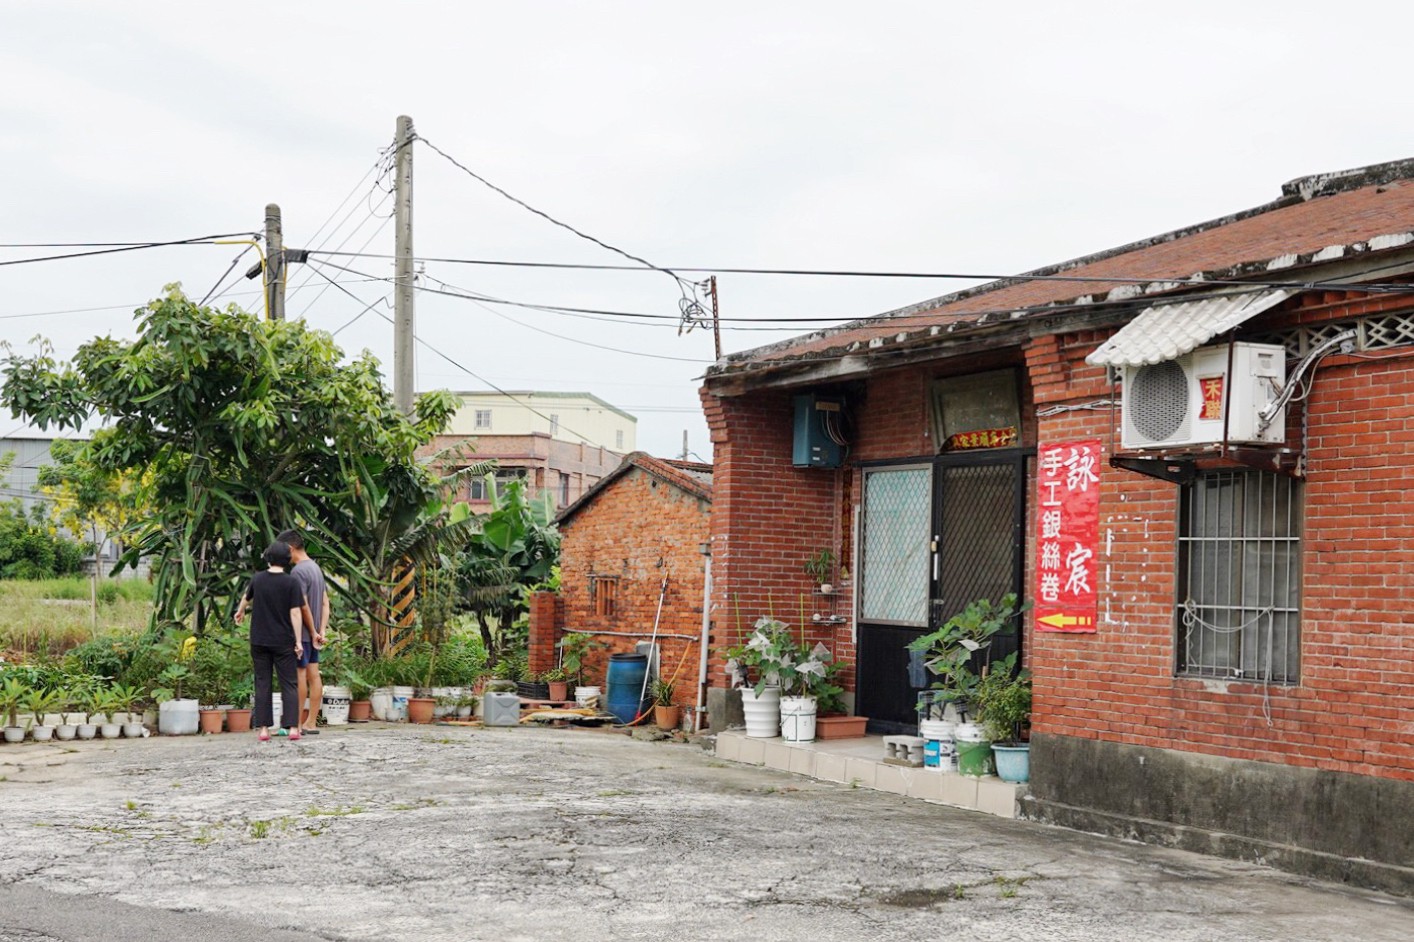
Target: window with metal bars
[(1239, 577), (604, 590)]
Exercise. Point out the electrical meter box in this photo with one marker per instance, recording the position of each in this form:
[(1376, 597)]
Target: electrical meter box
[(500, 709), (818, 432)]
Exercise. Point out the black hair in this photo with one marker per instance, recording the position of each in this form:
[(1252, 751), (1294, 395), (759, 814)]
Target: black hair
[(277, 554), (294, 538)]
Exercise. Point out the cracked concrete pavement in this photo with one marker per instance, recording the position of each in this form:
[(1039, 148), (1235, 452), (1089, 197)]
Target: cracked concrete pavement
[(434, 832)]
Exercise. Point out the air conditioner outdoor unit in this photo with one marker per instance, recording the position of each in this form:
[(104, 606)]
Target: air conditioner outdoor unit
[(1184, 402)]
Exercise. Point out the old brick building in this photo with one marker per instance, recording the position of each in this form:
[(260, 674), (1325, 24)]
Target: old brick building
[(632, 547), (1244, 683)]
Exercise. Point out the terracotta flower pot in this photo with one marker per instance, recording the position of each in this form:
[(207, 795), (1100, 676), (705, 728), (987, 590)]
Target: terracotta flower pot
[(559, 690), (211, 720), (667, 717), (360, 711), (237, 721), (420, 709)]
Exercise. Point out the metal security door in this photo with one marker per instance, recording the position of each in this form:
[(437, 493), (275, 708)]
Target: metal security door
[(979, 541), (933, 539)]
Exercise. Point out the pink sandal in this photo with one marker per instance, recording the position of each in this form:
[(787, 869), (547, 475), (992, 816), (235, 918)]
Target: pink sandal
[(294, 735), (264, 735)]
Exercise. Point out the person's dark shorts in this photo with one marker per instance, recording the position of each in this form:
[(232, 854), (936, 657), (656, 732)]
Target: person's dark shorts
[(308, 655)]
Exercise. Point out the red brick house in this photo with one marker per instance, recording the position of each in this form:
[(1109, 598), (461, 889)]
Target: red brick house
[(1248, 685), (633, 550)]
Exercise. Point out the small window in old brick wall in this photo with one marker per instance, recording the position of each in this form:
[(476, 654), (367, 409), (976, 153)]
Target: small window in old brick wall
[(980, 410), (604, 590)]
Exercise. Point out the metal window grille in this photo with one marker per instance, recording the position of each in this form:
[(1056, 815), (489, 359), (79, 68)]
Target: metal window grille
[(604, 590), (564, 489), (1239, 579), (483, 418), (554, 424)]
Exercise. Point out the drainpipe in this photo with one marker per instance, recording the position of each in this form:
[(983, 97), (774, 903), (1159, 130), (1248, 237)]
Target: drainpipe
[(706, 550)]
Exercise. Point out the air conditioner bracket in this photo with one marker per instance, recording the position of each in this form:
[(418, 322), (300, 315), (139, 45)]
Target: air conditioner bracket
[(1180, 469)]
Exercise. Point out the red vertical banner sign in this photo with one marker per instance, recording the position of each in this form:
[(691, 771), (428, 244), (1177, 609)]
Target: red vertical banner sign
[(1068, 531)]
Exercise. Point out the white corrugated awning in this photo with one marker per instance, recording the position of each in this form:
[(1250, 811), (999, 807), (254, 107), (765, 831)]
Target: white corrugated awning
[(1168, 331)]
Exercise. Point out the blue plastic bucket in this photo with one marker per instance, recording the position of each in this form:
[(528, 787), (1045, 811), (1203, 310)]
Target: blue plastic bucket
[(625, 683)]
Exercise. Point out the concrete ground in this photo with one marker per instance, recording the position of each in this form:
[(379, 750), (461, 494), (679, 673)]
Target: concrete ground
[(431, 833)]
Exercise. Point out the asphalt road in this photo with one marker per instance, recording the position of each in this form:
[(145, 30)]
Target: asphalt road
[(432, 833)]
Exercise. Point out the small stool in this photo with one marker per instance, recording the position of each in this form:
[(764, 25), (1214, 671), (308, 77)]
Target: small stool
[(904, 750)]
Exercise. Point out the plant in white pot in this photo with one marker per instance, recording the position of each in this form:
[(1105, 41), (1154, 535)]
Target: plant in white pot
[(790, 679), (91, 698), (12, 693), (125, 698), (69, 718), (40, 702)]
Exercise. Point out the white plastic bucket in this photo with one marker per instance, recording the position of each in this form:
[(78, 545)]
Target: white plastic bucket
[(798, 719), (381, 702), (336, 705), (763, 713), (939, 747), (586, 697), (175, 718), (398, 712)]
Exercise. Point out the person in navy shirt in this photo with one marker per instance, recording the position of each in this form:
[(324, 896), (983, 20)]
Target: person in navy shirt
[(275, 600)]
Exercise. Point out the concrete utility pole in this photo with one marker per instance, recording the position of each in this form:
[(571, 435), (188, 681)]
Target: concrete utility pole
[(274, 263), (404, 376)]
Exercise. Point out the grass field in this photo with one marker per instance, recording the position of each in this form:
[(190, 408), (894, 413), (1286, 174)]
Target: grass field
[(54, 615)]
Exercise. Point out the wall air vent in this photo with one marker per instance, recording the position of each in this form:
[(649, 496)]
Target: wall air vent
[(1189, 401)]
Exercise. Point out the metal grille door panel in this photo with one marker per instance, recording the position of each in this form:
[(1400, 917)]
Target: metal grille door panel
[(894, 579)]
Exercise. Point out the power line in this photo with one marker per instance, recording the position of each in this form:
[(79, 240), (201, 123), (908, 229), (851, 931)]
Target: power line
[(654, 356), (130, 247), (546, 216), (467, 370), (1176, 281)]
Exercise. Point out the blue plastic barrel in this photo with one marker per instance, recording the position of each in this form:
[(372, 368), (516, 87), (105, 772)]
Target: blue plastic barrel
[(625, 683)]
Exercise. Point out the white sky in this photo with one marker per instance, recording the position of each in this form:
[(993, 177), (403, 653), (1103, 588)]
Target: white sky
[(917, 136)]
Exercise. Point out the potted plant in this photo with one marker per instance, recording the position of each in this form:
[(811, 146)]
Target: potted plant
[(124, 698), (421, 709), (176, 715), (558, 682), (240, 691), (821, 567), (466, 705), (574, 650), (39, 702), (360, 687), (666, 714), (13, 692), (1003, 707), (789, 681), (69, 718), (91, 698), (109, 705), (956, 653)]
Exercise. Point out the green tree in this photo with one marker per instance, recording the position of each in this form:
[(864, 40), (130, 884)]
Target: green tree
[(516, 547), (240, 428)]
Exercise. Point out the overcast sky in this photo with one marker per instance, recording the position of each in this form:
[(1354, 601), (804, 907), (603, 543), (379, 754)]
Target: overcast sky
[(937, 137)]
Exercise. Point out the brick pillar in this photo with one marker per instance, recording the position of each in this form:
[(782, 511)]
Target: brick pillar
[(544, 631)]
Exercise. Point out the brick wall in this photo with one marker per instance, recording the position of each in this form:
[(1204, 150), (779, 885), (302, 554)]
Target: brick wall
[(1350, 712), (640, 529), (1353, 709), (768, 519)]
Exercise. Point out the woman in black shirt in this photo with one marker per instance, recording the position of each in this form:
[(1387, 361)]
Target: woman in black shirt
[(275, 600)]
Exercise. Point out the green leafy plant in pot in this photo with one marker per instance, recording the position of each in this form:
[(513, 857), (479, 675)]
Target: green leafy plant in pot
[(666, 714), (12, 693), (957, 652), (1003, 699)]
